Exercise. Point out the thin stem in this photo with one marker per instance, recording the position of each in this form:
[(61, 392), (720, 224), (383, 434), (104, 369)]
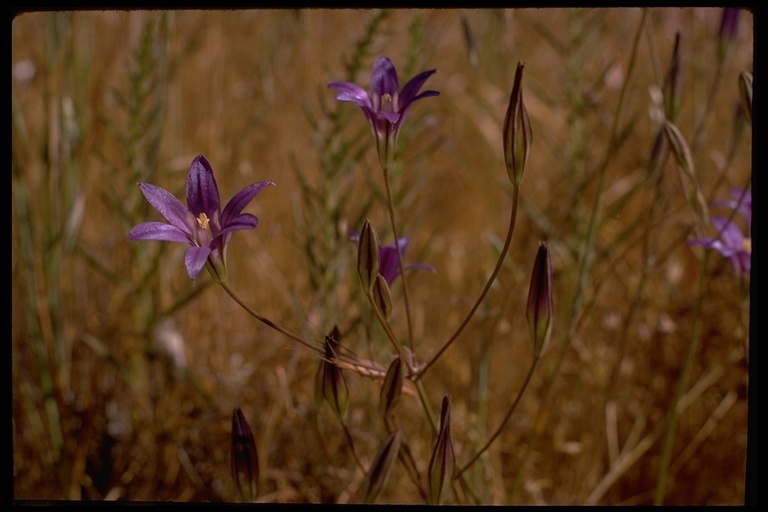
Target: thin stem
[(491, 279), (682, 383), (393, 220), (504, 421), (269, 322), (390, 333), (351, 445)]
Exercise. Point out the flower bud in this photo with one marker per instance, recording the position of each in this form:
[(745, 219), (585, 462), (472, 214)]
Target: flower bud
[(392, 387), (540, 304), (381, 468), (685, 162), (745, 93), (382, 296), (333, 384), (245, 463), (443, 462), (517, 131), (673, 88), (368, 256)]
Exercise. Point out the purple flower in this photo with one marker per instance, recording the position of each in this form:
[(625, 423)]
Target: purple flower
[(385, 107), (388, 265), (729, 240), (203, 225)]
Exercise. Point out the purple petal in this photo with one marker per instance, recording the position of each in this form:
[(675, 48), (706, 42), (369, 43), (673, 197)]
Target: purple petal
[(352, 92), (384, 78), (240, 201), (158, 231), (167, 204), (194, 259), (409, 93), (202, 191), (242, 221), (729, 233)]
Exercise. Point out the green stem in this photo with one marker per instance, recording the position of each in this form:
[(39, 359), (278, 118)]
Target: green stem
[(393, 220), (488, 284), (504, 421), (682, 383)]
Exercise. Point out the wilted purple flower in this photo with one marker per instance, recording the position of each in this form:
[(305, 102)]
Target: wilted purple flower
[(386, 105), (729, 23), (388, 265), (729, 240), (203, 225)]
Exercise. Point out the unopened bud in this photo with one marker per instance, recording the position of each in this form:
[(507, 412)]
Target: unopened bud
[(381, 468), (382, 296), (672, 90), (245, 463), (332, 381), (392, 387), (685, 162), (443, 462), (540, 303), (368, 256), (745, 93), (517, 131)]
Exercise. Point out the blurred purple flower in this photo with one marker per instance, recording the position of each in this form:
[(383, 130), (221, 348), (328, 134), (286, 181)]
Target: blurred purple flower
[(388, 265), (729, 23), (386, 105), (730, 241), (203, 225)]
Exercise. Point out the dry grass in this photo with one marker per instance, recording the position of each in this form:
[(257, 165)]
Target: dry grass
[(102, 410)]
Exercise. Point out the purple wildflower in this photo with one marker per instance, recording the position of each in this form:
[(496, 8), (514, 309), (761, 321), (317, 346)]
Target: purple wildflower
[(388, 265), (386, 105), (204, 226), (730, 241)]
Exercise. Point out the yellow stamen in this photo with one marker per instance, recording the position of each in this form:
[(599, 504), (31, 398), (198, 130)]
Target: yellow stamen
[(204, 222), (747, 245)]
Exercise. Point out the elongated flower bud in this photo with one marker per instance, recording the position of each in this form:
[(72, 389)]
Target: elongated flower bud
[(443, 462), (392, 387), (368, 256), (381, 468), (685, 162), (745, 93), (673, 84), (540, 303), (245, 463), (333, 383), (382, 297), (517, 131)]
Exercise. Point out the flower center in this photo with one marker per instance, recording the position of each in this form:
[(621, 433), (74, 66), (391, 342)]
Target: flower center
[(747, 245), (204, 222), (387, 103)]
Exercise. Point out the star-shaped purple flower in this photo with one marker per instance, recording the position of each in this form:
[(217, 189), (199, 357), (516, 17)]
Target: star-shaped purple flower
[(204, 226), (386, 105), (388, 265), (729, 240)]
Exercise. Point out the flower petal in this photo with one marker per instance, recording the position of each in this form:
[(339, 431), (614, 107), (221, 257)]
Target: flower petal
[(194, 259), (167, 204), (411, 89), (352, 92), (158, 231), (202, 190), (384, 78), (240, 201), (242, 221)]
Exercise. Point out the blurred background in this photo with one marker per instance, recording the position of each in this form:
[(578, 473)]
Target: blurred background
[(125, 373)]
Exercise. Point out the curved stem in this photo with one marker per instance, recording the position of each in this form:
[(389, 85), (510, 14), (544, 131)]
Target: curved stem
[(504, 421), (491, 279), (269, 322)]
